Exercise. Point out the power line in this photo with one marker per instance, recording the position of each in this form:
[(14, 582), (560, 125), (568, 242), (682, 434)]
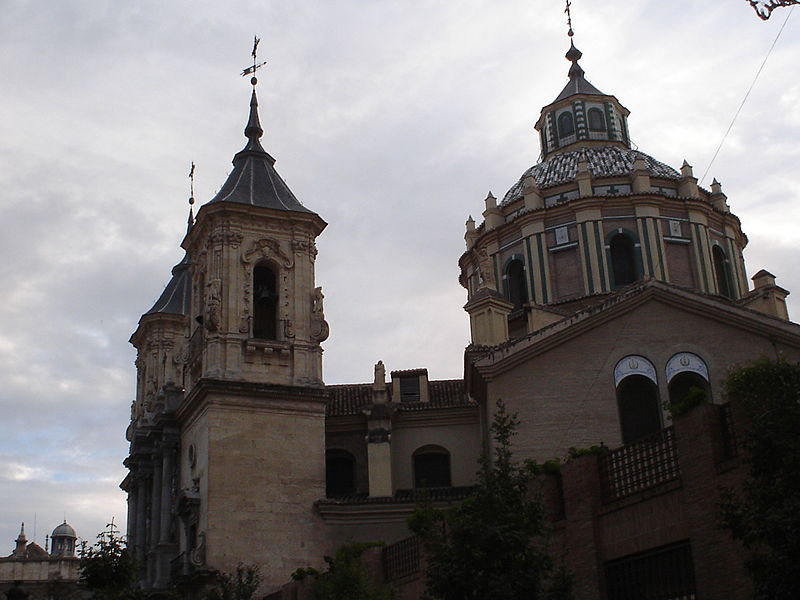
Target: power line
[(750, 89)]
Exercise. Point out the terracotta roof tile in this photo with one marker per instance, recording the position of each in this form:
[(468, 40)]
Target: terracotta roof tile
[(351, 399)]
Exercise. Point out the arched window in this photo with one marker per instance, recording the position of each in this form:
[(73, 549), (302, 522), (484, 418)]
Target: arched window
[(622, 253), (639, 410), (340, 473), (637, 398), (265, 303), (597, 121), (431, 467), (687, 375), (566, 125), (516, 287), (721, 272)]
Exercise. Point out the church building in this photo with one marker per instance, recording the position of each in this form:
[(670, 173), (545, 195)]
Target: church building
[(601, 287)]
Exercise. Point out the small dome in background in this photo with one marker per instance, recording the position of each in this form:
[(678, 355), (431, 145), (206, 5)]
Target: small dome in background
[(64, 530)]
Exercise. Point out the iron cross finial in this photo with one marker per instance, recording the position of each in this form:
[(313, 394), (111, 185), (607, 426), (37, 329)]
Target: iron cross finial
[(255, 66), (570, 33), (191, 184)]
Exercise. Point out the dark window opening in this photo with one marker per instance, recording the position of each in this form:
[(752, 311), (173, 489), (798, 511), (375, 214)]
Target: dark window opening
[(665, 573), (639, 408), (340, 473), (265, 303), (597, 121), (721, 272), (687, 385), (517, 289), (409, 389), (431, 468), (623, 260), (566, 125)]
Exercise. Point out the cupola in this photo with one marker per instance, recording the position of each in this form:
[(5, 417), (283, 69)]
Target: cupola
[(581, 115), (63, 541)]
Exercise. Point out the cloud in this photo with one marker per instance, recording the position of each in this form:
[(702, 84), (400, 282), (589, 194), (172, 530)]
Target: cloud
[(391, 119)]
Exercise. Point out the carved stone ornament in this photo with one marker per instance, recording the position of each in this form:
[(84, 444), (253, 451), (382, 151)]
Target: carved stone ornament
[(198, 555), (319, 326), (487, 272), (307, 247), (213, 303), (267, 248), (222, 237), (288, 328)]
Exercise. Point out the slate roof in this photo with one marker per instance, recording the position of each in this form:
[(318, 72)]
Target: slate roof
[(254, 180), (603, 161), (351, 399), (577, 84), (176, 297)]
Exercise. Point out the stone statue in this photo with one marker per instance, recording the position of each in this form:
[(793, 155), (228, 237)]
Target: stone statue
[(487, 272)]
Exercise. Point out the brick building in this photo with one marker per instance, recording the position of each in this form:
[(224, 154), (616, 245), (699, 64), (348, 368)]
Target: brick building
[(603, 285)]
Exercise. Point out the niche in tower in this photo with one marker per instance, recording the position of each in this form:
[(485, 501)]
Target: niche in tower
[(265, 302)]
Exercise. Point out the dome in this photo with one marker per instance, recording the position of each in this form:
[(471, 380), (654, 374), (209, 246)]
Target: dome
[(64, 530), (603, 161)]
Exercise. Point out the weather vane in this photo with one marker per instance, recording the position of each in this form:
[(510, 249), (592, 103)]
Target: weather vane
[(256, 65), (191, 185), (570, 33)]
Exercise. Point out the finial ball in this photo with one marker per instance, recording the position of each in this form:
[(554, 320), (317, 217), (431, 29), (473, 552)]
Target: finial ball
[(253, 80), (191, 200)]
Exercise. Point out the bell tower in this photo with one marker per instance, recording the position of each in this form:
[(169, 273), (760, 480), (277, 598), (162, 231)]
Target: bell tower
[(228, 429), (257, 314)]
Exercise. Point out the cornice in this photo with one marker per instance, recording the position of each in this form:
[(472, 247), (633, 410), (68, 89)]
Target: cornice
[(504, 357)]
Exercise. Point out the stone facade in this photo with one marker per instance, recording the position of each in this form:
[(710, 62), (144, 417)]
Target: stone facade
[(603, 285)]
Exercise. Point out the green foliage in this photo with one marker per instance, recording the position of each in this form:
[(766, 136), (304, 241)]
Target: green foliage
[(549, 467), (239, 586), (493, 546), (303, 572), (574, 452), (693, 398), (765, 514), (108, 570), (347, 578)]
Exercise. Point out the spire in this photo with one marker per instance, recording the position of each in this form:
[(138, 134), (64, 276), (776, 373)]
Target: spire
[(253, 131), (577, 84), (21, 541), (574, 55)]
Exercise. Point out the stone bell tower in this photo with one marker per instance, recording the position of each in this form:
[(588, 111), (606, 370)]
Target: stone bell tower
[(241, 388), (256, 312)]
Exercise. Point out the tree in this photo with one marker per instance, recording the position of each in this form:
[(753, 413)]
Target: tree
[(108, 570), (493, 546), (239, 586), (764, 8), (765, 513), (347, 578)]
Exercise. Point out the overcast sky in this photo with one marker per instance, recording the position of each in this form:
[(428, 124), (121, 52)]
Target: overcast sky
[(391, 119)]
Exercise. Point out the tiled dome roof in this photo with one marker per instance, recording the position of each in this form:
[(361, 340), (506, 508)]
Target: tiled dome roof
[(603, 161)]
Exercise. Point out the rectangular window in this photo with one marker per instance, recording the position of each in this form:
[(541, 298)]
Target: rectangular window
[(665, 573), (409, 389), (562, 235)]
